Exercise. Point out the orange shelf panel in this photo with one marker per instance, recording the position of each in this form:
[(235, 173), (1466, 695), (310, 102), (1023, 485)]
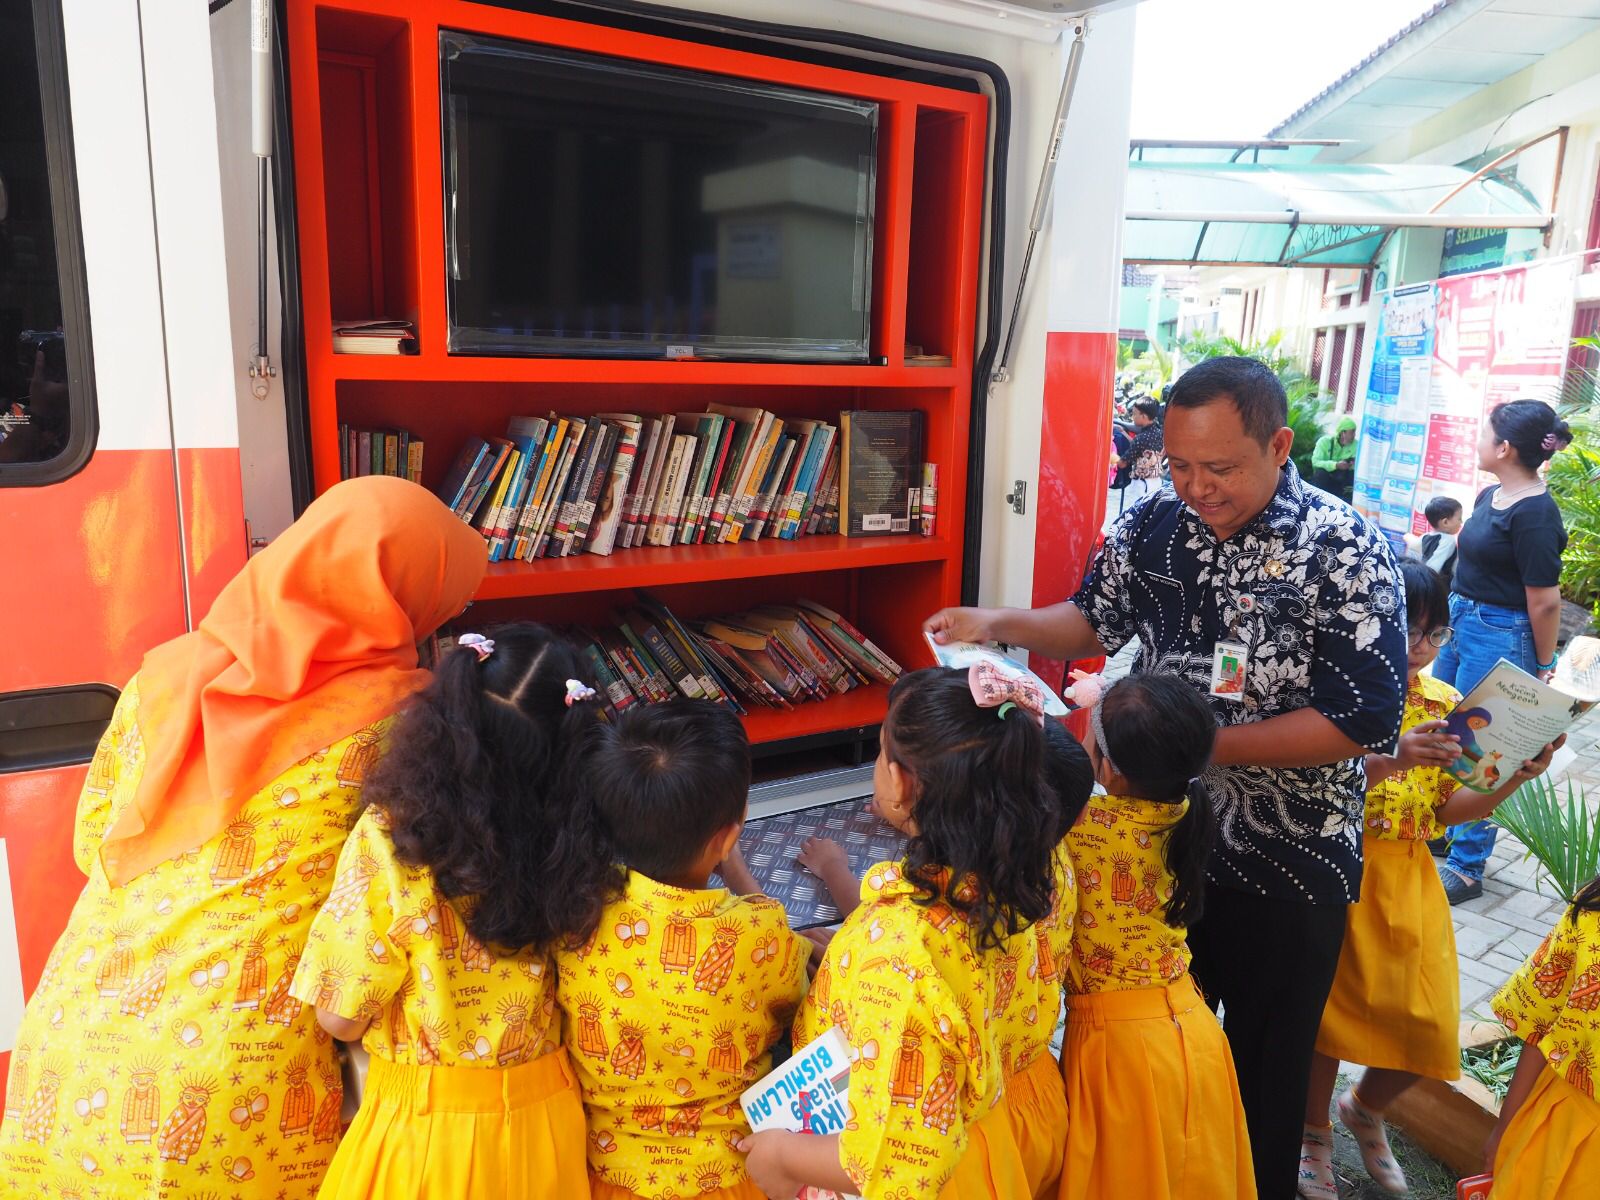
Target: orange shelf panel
[(663, 565), (861, 707), (443, 368)]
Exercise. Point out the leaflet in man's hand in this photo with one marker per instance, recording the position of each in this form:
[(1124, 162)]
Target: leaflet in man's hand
[(808, 1094), (964, 654), (1506, 720)]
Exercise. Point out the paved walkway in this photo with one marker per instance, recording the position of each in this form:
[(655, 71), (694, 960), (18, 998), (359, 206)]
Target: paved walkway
[(1495, 932)]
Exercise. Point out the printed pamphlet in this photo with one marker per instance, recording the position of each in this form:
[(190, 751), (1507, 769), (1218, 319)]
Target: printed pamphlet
[(808, 1094), (1508, 718)]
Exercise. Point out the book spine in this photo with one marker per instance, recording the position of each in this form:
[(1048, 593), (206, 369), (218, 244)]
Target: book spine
[(615, 497), (618, 697), (683, 511), (363, 453), (549, 458), (622, 658), (761, 444), (714, 481), (738, 444), (671, 662), (391, 454), (652, 491), (645, 460), (805, 458), (660, 685), (489, 517), (559, 479), (711, 443), (344, 451), (669, 474), (777, 478), (598, 479), (414, 461), (819, 499), (572, 494), (930, 498)]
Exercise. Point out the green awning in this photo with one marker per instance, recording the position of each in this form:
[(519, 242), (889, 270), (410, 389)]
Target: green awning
[(1302, 214)]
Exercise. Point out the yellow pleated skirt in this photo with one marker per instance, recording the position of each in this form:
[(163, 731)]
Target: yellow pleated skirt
[(1153, 1106), (443, 1133), (991, 1166), (1036, 1106), (1396, 999), (1551, 1148)]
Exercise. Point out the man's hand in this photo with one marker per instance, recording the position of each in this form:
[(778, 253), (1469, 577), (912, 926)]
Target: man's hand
[(961, 625)]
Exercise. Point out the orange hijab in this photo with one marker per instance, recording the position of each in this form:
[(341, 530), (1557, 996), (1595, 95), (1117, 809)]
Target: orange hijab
[(313, 640)]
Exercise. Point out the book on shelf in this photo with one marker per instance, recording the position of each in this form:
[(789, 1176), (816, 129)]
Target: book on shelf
[(773, 657), (379, 452), (809, 1094), (380, 336), (880, 466), (930, 498), (453, 488), (613, 500), (483, 478), (661, 451), (915, 357)]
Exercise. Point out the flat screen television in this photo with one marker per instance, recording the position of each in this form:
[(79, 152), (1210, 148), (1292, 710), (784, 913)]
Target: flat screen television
[(611, 208)]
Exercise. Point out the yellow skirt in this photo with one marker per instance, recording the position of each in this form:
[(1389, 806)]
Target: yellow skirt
[(1396, 1000), (1153, 1105), (1036, 1105), (441, 1133), (1551, 1147), (991, 1166)]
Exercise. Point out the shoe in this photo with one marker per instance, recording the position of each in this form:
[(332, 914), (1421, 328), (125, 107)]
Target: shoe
[(1367, 1128), (1439, 846), (1457, 888), (1316, 1165)]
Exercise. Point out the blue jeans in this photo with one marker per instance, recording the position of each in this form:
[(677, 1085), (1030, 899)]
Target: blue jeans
[(1485, 633)]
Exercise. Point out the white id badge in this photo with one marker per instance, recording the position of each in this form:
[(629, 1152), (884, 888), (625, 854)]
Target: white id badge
[(1229, 661)]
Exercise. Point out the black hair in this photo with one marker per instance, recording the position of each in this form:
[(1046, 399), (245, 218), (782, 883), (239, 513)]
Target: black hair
[(1150, 408), (982, 806), (1160, 733), (1249, 383), (1525, 424), (666, 778), (1069, 774), (480, 783), (1427, 598), (1588, 897), (1441, 508)]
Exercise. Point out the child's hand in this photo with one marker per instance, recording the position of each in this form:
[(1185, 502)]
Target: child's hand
[(823, 857), (767, 1165), (819, 939), (1534, 767), (1426, 745)]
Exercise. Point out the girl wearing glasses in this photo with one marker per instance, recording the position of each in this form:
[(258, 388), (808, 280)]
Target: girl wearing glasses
[(1395, 1003)]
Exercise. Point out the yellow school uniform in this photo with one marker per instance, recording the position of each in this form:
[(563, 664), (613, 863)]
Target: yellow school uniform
[(919, 1003), (1395, 1001), (671, 1011), (1552, 1145), (1034, 1099), (1151, 1089), (469, 1091), (160, 1052)]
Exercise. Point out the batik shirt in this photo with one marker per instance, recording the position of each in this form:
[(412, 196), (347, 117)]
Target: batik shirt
[(1554, 1000), (918, 1002), (1122, 940), (1311, 590), (1401, 807), (1034, 964), (161, 1053), (670, 1012), (386, 946)]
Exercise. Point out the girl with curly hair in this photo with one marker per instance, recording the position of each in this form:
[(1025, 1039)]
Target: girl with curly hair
[(476, 857)]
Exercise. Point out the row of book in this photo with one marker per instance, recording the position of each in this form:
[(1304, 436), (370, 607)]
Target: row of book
[(379, 452), (379, 336), (555, 485), (775, 656)]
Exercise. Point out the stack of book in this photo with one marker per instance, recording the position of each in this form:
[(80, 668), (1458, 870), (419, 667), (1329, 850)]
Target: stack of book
[(375, 337), (379, 452), (556, 485), (775, 656)]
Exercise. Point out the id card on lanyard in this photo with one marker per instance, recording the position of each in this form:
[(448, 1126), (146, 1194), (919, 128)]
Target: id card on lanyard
[(1230, 658)]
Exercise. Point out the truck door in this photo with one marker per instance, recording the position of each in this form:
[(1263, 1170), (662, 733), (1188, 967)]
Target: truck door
[(92, 567)]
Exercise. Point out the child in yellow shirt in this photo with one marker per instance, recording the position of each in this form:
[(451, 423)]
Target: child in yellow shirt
[(924, 972), (1034, 1098), (1547, 1141), (433, 946), (1151, 1091), (1394, 1005), (673, 1006)]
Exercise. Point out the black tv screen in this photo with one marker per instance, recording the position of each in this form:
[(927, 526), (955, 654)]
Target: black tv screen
[(605, 207)]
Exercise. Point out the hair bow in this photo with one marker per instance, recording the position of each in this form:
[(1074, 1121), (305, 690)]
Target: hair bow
[(993, 687), (578, 691), (1551, 442), (477, 643)]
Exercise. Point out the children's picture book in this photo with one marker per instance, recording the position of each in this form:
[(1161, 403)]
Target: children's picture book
[(808, 1094), (964, 654), (1508, 718)]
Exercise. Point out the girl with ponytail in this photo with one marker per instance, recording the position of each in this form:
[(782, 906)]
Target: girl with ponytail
[(929, 968), (1150, 1084), (476, 857)]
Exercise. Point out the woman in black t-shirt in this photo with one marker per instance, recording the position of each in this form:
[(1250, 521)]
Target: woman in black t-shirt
[(1506, 602)]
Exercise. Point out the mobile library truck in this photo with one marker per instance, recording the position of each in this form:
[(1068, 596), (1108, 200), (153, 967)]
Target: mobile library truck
[(250, 250)]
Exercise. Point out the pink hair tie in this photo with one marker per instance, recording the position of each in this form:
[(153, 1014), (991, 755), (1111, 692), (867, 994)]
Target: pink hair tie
[(477, 643), (578, 691), (995, 688)]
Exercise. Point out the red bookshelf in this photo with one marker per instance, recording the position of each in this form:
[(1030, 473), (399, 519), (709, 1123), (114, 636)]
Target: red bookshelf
[(366, 121)]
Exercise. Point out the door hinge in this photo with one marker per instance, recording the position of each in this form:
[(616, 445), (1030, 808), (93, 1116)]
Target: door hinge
[(1018, 497)]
